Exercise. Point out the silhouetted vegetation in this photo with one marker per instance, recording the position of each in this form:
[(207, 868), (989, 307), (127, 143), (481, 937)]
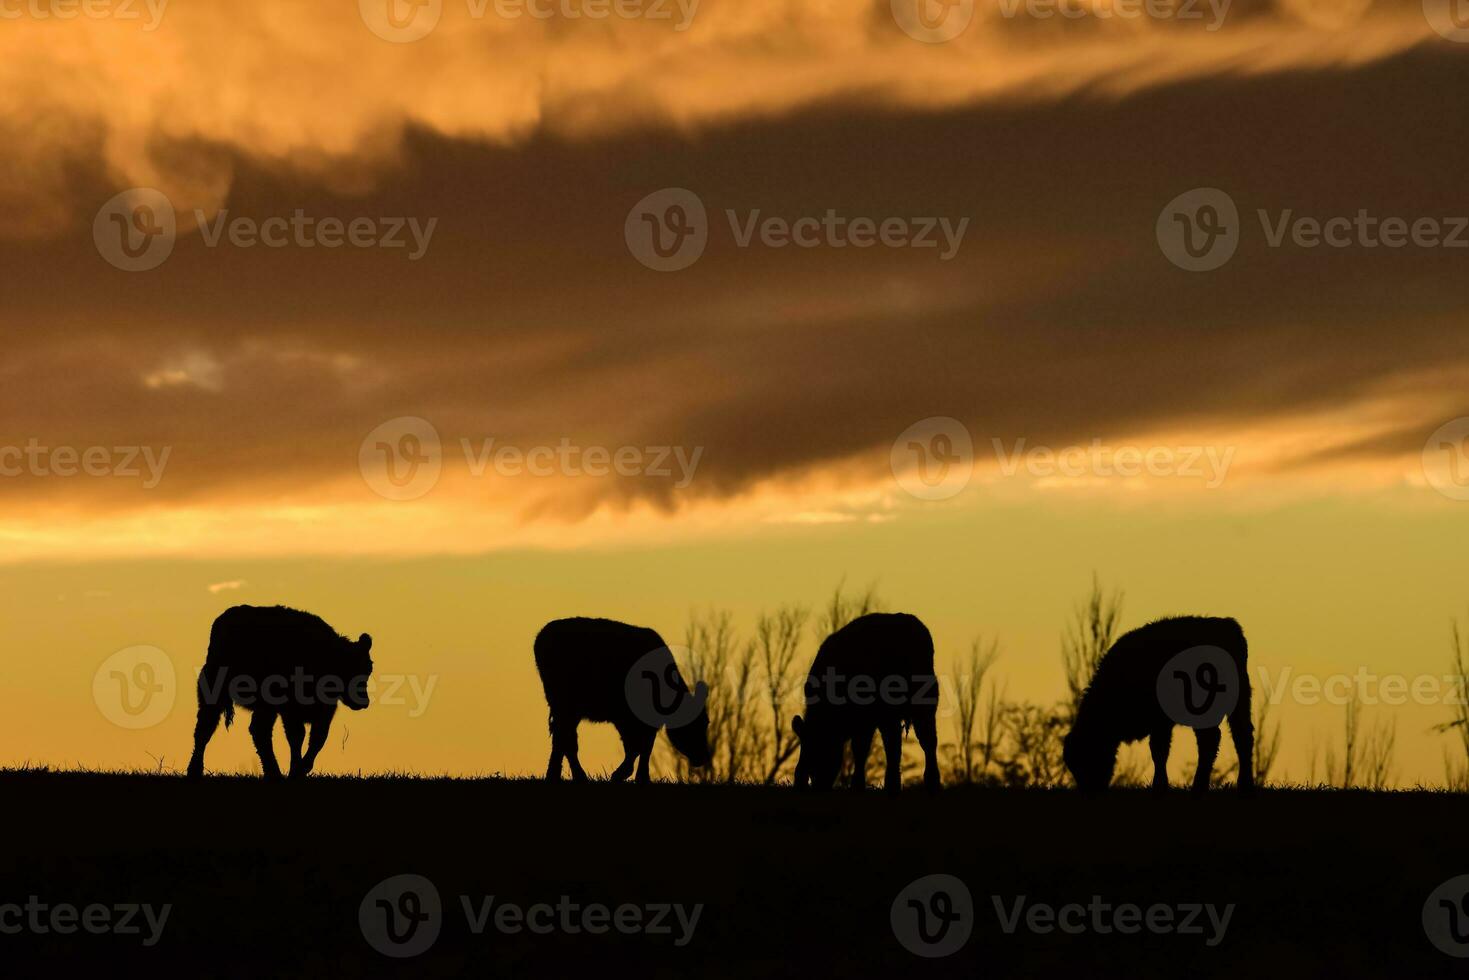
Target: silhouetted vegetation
[(1456, 760)]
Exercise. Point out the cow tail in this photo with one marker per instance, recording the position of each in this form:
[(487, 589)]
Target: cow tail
[(229, 713)]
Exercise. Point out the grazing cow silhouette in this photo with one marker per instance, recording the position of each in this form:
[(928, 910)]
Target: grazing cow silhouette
[(873, 675), (603, 670), (1123, 703), (279, 662)]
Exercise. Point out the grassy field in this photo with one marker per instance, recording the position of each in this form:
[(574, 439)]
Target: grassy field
[(269, 879)]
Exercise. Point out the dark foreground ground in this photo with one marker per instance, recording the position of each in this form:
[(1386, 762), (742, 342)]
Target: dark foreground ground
[(272, 880)]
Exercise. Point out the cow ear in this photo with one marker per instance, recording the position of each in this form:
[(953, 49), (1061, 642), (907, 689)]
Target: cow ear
[(701, 691), (365, 642), (796, 725)]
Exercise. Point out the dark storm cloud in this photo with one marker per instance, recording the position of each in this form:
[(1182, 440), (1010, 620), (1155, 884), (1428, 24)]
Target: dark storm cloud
[(527, 318)]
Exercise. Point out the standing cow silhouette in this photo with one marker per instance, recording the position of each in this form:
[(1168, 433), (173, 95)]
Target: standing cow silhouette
[(875, 674), (1183, 670), (281, 663), (603, 670)]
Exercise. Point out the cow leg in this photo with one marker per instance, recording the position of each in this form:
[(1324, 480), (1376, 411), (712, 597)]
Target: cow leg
[(262, 721), (892, 748), (1208, 739), (321, 727), (926, 728), (1242, 733), (204, 728), (295, 730), (645, 758), (631, 748), (861, 749), (565, 738), (553, 768), (1159, 743)]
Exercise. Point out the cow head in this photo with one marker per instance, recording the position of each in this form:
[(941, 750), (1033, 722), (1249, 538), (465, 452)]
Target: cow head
[(821, 753), (356, 669), (1090, 757), (692, 737)]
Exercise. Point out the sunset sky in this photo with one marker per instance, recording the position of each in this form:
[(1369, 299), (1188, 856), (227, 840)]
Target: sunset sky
[(1303, 405)]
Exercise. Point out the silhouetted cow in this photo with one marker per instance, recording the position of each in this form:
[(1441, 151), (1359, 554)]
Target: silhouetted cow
[(873, 675), (603, 670), (281, 662), (1125, 701)]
